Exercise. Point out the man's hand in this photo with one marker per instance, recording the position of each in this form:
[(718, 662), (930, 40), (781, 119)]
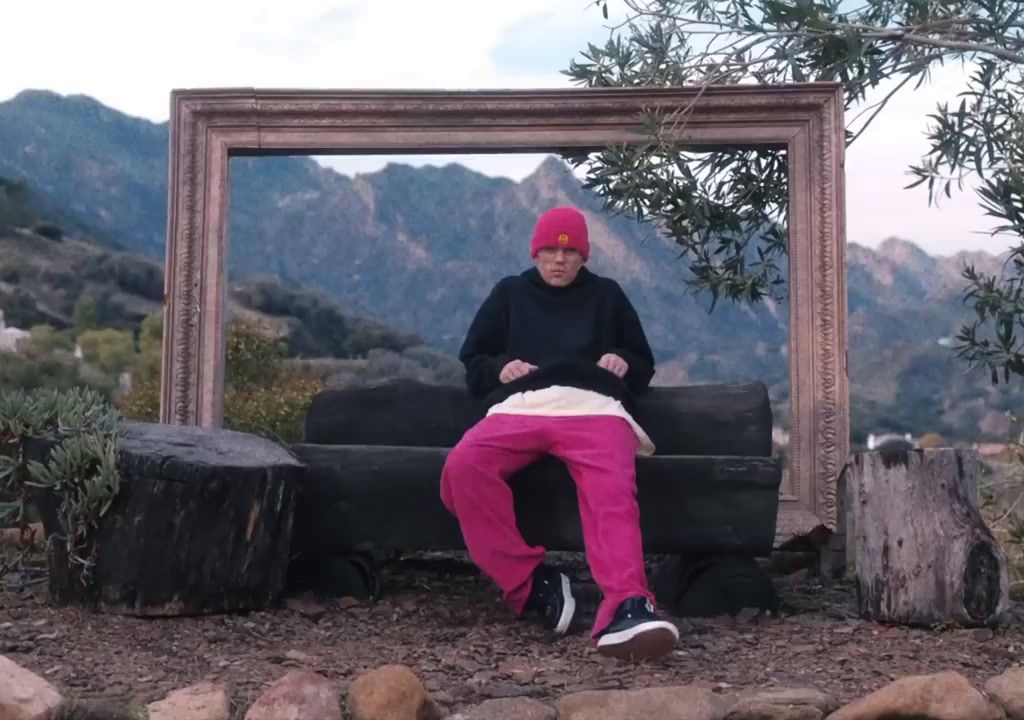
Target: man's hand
[(514, 370), (613, 364)]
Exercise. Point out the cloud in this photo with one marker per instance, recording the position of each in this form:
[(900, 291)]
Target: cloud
[(300, 41), (129, 55), (877, 171), (548, 40)]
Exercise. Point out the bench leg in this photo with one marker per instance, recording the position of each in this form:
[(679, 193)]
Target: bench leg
[(355, 574), (705, 586)]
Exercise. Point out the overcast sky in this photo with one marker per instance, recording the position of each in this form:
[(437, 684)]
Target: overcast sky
[(130, 54)]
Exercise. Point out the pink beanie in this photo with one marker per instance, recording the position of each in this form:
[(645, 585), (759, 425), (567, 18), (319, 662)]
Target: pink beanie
[(561, 227)]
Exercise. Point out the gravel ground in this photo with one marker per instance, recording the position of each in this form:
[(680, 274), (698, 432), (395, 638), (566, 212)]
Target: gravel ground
[(439, 616)]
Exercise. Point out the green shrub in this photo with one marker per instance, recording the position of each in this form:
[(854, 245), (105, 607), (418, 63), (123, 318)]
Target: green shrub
[(278, 409), (80, 472), (29, 370), (253, 357), (142, 404), (48, 230), (47, 339), (111, 351), (319, 327), (85, 314), (261, 395), (20, 309), (15, 207)]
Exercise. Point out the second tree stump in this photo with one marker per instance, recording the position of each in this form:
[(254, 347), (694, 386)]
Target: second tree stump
[(924, 555)]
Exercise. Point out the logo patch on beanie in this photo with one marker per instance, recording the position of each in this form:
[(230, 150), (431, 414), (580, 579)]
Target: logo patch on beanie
[(563, 239)]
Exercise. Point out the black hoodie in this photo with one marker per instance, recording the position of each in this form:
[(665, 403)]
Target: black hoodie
[(564, 331)]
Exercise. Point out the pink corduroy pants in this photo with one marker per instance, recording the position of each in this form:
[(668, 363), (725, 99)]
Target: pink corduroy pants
[(599, 452)]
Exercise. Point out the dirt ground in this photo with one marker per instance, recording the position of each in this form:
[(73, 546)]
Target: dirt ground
[(439, 616)]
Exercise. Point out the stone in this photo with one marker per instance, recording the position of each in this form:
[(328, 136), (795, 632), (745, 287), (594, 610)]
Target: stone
[(24, 695), (664, 703), (940, 696), (781, 704), (390, 692), (1007, 690), (519, 708), (297, 695), (518, 669), (202, 701), (306, 607)]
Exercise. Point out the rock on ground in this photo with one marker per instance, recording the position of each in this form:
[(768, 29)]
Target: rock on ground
[(519, 708), (664, 703), (940, 696), (781, 704), (298, 695), (24, 695), (1008, 691), (390, 692), (202, 701)]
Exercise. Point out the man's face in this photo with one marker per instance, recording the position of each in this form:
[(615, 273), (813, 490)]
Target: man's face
[(558, 266)]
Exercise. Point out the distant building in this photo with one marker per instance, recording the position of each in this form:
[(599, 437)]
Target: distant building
[(11, 337), (780, 437)]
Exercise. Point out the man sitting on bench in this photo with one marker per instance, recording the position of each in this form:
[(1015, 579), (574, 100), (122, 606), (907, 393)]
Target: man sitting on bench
[(557, 354)]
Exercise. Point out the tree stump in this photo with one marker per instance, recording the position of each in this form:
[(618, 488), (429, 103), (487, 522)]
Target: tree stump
[(201, 524), (924, 555)]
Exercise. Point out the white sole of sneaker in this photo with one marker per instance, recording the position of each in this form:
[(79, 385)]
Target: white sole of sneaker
[(568, 609), (647, 640)]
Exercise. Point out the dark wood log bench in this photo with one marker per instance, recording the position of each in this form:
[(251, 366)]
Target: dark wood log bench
[(374, 456)]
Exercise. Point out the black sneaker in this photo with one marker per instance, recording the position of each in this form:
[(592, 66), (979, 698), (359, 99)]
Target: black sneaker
[(551, 598), (636, 632)]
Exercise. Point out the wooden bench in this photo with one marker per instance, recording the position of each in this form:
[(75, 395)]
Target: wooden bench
[(374, 457)]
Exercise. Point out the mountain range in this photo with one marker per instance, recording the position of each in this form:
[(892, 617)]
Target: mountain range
[(418, 249)]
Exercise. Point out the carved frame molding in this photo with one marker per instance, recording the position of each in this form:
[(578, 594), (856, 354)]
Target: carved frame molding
[(209, 126)]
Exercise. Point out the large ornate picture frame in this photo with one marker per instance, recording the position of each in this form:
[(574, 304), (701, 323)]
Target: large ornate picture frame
[(207, 127)]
